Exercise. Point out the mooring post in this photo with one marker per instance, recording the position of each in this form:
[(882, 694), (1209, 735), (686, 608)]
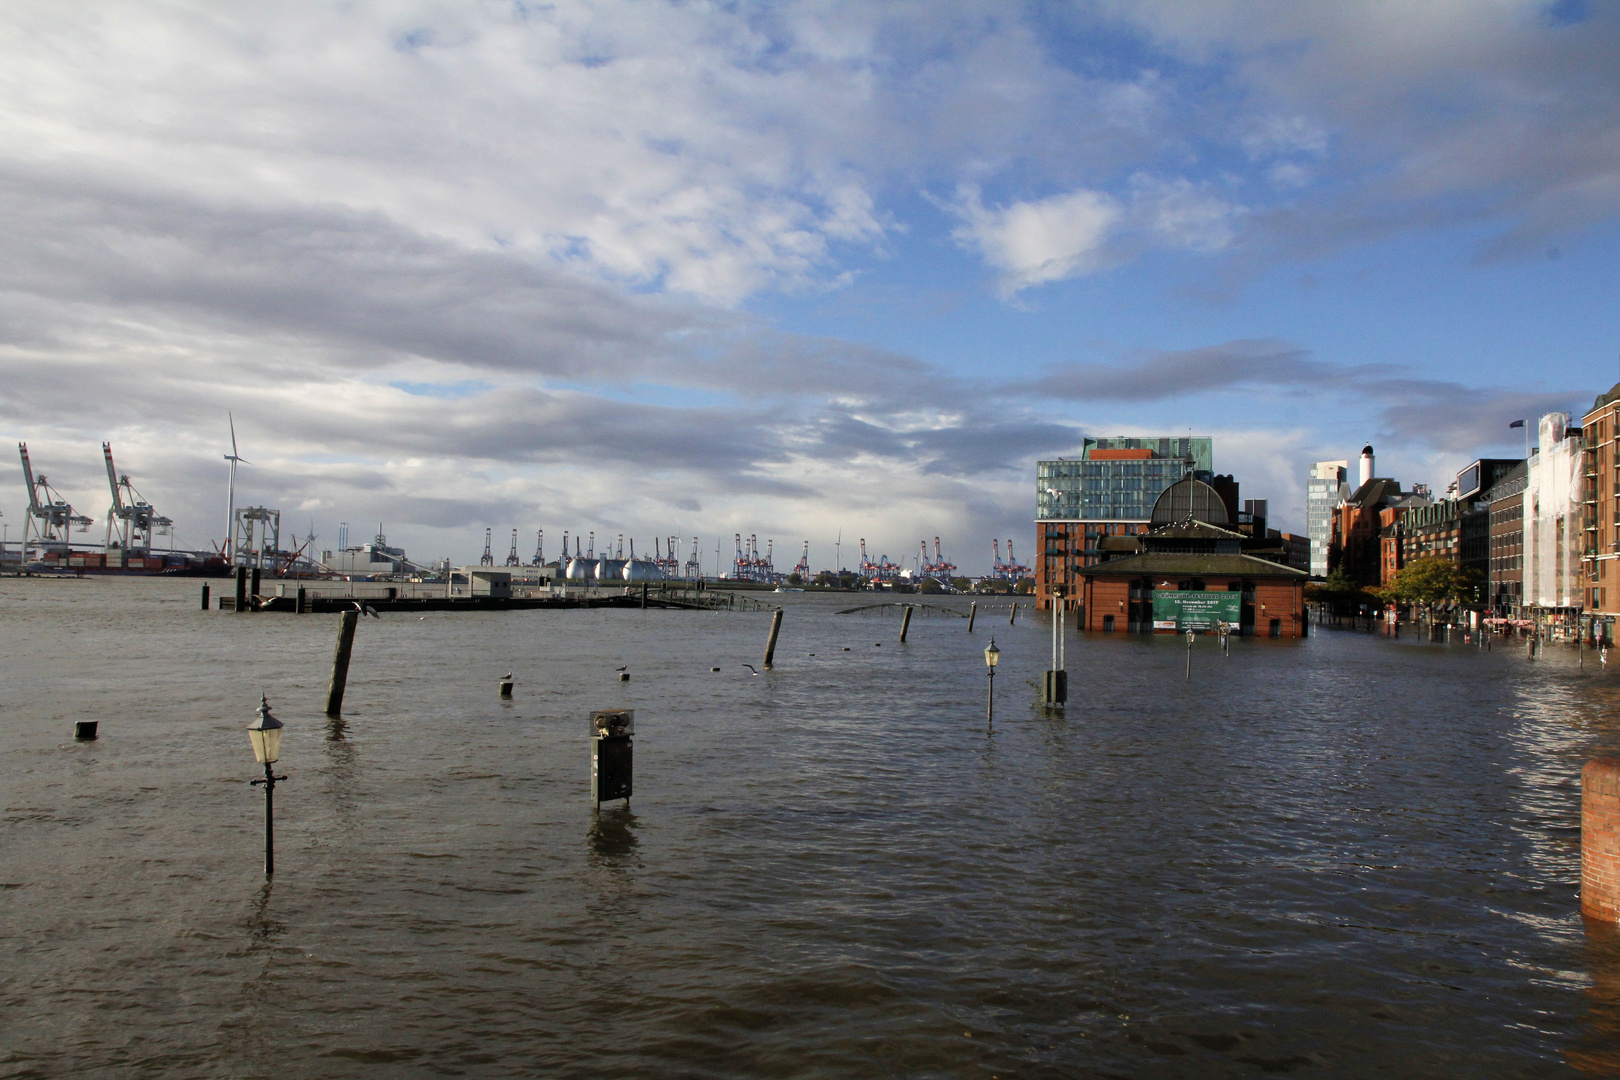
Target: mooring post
[(905, 624), (770, 642), (253, 598), (301, 606), (1014, 616), (205, 598), (1600, 839), (643, 596), (241, 589), (973, 610), (340, 662)]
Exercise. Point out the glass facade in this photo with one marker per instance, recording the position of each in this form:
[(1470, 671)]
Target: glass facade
[(1324, 487), (1122, 488)]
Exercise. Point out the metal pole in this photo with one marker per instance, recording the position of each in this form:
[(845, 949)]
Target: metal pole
[(269, 822), (990, 701)]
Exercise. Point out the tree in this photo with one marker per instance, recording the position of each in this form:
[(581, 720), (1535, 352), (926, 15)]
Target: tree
[(795, 579), (1430, 581), (825, 580)]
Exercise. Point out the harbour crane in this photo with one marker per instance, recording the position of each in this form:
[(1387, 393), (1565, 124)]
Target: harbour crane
[(694, 565), (50, 519), (488, 557), (131, 522), (512, 556), (803, 567), (540, 547)]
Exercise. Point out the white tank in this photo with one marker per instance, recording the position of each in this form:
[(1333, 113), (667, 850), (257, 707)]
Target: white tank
[(609, 569), (643, 570), (578, 570)]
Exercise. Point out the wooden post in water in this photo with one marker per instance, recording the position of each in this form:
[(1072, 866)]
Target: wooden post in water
[(253, 599), (1014, 616), (241, 589), (973, 610), (643, 596), (770, 642), (905, 624), (340, 662), (205, 598)]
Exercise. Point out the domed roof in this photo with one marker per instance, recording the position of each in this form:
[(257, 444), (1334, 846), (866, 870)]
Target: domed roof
[(1367, 450), (1189, 498)]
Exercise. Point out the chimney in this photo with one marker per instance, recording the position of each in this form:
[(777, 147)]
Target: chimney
[(1366, 463)]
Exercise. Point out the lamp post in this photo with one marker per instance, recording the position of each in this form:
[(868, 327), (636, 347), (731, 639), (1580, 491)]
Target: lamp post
[(265, 732), (992, 657)]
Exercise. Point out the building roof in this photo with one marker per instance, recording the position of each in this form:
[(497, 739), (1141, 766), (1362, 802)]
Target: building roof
[(1604, 399), (1189, 498), (1376, 492), (1152, 565), (1191, 529)]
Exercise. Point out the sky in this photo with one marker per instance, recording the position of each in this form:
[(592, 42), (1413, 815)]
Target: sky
[(797, 270)]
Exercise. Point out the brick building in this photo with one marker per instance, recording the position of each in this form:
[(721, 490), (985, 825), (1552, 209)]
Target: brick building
[(1601, 500), (1185, 554), (1504, 575), (1109, 491)]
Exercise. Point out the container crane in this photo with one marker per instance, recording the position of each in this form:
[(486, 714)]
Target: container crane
[(802, 568), (131, 523), (694, 565), (539, 548), (1013, 570), (50, 519), (488, 557), (512, 556)]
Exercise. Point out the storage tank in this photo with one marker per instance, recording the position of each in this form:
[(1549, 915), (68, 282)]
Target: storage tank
[(579, 570), (643, 570), (609, 569)]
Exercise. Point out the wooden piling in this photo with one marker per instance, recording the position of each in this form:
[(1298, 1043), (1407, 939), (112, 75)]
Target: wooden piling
[(301, 604), (241, 589), (340, 662), (905, 624), (253, 599), (205, 598), (770, 642), (973, 610), (1014, 616)]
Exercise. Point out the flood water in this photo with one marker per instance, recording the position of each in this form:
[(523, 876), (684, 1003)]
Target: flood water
[(1346, 856)]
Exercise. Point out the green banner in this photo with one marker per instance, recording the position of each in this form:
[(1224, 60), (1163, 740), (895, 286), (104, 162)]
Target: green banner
[(1174, 609)]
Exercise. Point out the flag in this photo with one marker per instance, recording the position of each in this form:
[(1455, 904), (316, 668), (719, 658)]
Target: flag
[(1516, 423)]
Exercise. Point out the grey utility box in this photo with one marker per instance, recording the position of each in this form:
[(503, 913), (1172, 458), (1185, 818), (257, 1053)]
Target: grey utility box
[(612, 747)]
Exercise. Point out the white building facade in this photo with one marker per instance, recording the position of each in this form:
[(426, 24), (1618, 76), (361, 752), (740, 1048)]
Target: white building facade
[(1554, 519)]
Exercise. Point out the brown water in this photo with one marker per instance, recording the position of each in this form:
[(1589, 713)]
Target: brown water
[(1340, 857)]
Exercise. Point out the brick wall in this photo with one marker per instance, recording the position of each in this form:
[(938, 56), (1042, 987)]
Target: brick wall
[(1600, 839)]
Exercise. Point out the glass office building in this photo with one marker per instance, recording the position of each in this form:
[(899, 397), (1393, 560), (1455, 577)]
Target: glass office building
[(1117, 479), (1325, 488)]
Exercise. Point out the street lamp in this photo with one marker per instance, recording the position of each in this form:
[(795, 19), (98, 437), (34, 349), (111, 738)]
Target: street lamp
[(265, 732), (992, 657)]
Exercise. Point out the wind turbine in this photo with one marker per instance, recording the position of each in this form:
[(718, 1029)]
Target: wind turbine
[(230, 495)]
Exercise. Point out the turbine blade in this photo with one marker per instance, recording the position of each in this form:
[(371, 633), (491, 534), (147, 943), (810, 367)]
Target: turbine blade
[(232, 419)]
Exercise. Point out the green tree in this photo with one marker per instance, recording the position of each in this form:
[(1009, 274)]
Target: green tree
[(1430, 581), (795, 579)]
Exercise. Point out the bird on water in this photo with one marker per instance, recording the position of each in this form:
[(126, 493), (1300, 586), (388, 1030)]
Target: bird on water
[(750, 667)]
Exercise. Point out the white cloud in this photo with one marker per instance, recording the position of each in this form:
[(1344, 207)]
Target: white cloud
[(1031, 243)]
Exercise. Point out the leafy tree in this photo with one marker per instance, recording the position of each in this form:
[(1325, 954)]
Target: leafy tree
[(795, 579), (825, 580), (1430, 581)]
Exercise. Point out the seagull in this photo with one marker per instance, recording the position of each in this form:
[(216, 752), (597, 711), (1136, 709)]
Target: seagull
[(622, 667), (366, 610), (750, 667), (508, 675)]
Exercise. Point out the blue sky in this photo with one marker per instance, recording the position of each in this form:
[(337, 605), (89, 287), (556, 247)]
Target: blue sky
[(788, 269)]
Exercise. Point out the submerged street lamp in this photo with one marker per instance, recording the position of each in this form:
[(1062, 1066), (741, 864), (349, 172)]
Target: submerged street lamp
[(992, 657), (265, 732)]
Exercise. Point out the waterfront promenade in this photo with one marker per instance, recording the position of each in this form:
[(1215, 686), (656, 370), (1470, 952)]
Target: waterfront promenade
[(1341, 856)]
